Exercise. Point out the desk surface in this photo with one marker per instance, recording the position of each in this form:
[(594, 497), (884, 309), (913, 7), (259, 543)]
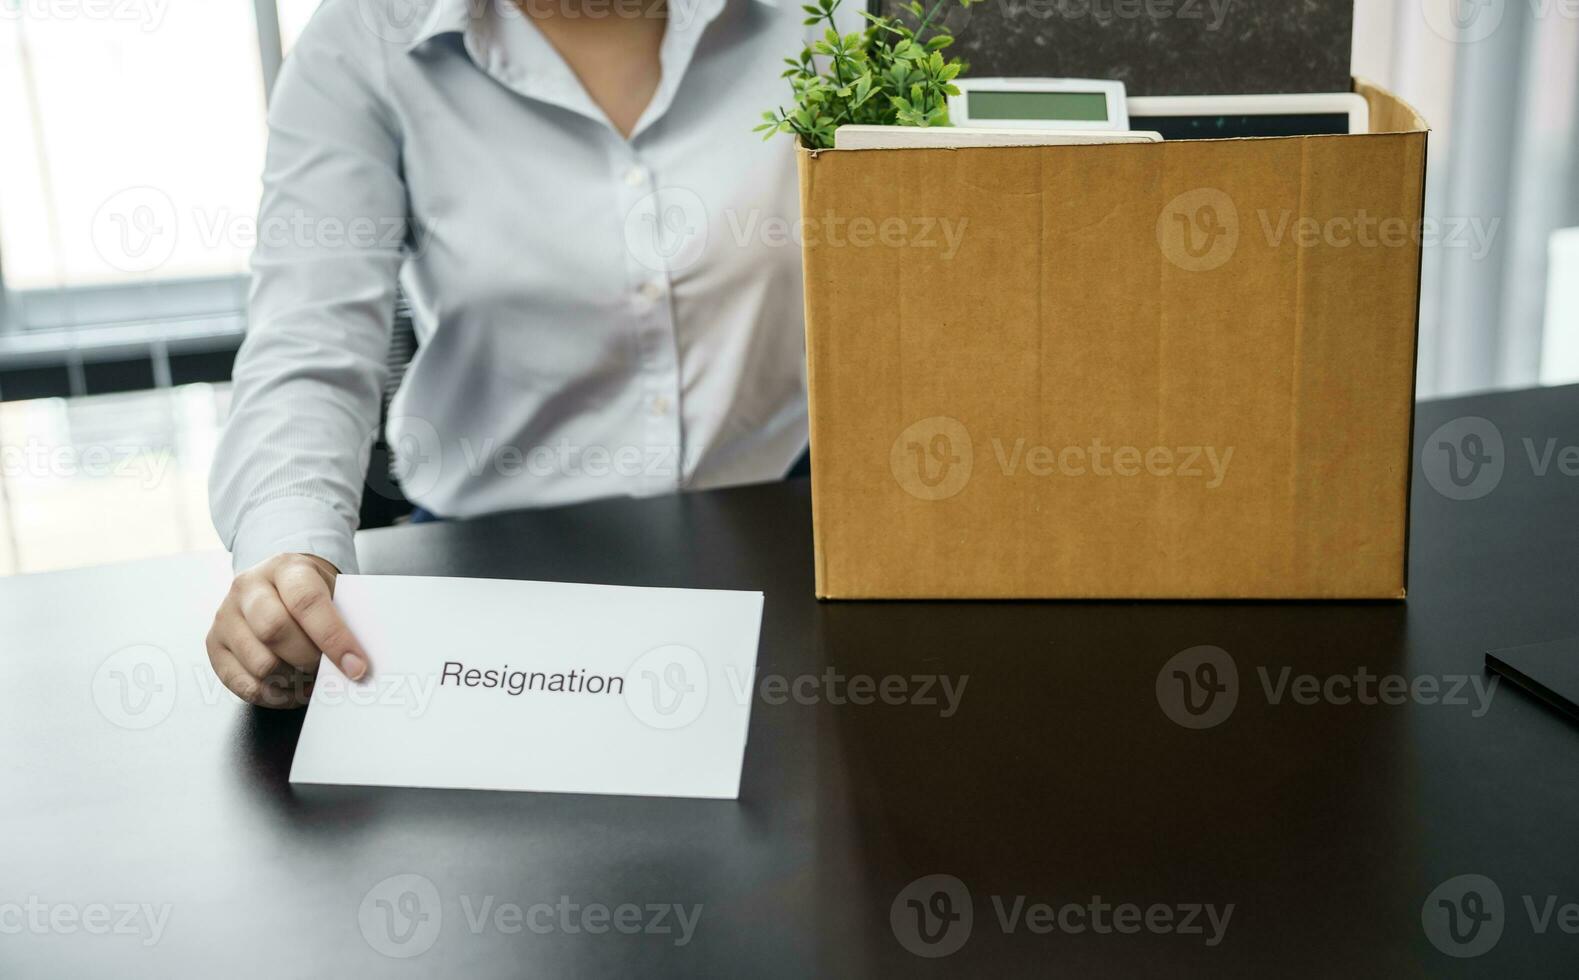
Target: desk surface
[(135, 792)]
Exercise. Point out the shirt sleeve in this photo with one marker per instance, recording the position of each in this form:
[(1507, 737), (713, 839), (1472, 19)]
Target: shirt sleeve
[(290, 465)]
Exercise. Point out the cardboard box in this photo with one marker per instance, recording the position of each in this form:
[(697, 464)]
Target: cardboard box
[(1172, 370)]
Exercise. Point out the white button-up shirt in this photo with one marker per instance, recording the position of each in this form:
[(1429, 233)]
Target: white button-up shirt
[(598, 315)]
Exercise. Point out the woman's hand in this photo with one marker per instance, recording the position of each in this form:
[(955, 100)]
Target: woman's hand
[(266, 637)]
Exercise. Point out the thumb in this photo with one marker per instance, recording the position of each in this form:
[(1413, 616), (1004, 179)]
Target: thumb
[(306, 589)]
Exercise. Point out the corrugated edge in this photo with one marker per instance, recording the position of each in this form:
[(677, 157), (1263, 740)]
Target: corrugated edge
[(1364, 87), (1414, 381), (804, 163), (1388, 596)]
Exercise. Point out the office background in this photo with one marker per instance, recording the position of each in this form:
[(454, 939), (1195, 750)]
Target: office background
[(134, 133)]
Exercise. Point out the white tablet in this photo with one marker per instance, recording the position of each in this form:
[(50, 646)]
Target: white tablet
[(1039, 103), (1208, 117), (954, 137)]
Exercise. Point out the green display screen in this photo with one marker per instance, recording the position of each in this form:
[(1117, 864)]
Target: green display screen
[(1082, 106)]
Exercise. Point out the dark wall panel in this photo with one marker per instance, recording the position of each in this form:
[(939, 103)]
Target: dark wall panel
[(1160, 47)]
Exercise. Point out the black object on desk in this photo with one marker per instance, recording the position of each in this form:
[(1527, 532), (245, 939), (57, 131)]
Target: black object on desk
[(1549, 671), (1061, 776)]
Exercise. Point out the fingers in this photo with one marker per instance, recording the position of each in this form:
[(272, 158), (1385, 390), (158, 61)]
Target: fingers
[(266, 638), (307, 598), (231, 673), (288, 687), (283, 687), (235, 636), (270, 625)]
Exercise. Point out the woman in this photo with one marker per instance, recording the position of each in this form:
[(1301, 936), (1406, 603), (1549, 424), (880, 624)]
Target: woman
[(576, 195)]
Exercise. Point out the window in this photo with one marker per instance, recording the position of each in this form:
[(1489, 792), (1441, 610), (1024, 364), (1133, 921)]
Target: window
[(129, 171), (294, 15)]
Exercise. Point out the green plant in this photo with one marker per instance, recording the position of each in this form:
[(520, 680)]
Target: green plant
[(890, 74)]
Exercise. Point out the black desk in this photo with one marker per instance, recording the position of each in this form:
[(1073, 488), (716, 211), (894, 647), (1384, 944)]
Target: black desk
[(1059, 778)]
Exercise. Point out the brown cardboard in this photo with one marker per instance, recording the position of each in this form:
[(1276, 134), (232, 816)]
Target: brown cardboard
[(1070, 308)]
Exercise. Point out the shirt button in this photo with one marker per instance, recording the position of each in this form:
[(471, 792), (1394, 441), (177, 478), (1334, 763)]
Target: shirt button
[(635, 176), (660, 405), (651, 290)]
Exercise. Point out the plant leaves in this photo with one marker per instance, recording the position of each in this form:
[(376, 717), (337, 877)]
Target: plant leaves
[(837, 79)]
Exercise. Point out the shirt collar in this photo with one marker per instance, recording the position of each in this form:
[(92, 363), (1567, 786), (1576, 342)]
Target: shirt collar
[(446, 17), (455, 16)]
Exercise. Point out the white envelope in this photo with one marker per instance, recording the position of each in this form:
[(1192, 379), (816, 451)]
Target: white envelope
[(507, 685)]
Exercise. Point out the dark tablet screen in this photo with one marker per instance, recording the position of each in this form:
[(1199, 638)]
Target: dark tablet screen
[(1231, 127)]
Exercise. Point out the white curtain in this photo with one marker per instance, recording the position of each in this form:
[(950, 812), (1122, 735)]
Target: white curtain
[(1499, 82)]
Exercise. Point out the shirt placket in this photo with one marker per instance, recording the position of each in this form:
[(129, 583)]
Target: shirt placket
[(649, 287), (535, 70)]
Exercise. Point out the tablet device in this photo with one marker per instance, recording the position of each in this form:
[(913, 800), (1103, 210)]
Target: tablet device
[(1549, 671), (1066, 104), (1214, 117)]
